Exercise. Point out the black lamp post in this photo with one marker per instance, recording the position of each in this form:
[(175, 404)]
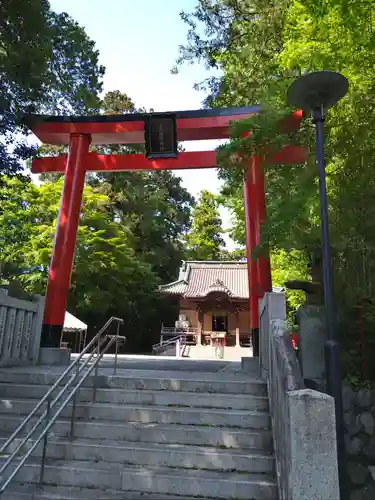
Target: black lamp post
[(315, 93)]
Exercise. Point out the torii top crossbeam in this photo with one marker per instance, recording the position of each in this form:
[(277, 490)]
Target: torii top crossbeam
[(78, 132), (202, 124), (130, 129)]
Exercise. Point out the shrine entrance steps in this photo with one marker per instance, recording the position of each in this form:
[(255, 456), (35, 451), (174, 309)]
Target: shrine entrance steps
[(159, 428)]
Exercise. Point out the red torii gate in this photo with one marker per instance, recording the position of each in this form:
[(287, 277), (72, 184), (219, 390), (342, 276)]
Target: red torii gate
[(79, 132)]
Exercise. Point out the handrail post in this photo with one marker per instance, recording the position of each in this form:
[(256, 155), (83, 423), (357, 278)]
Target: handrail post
[(116, 347), (80, 341), (74, 404), (116, 352), (96, 372), (45, 442)]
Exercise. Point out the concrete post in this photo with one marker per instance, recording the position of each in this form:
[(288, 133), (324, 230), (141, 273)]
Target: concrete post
[(312, 450), (237, 337), (237, 316), (199, 336), (312, 338), (38, 322), (200, 326)]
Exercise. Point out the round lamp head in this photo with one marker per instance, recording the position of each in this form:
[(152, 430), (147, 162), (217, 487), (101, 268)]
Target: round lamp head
[(322, 89)]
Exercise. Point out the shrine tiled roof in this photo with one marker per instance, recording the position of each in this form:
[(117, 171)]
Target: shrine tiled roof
[(200, 278)]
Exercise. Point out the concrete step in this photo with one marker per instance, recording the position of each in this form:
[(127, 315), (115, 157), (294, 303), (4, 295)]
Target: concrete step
[(223, 383), (145, 397), (157, 480), (154, 414), (205, 364), (163, 455), (229, 353), (152, 362), (135, 432), (36, 492)]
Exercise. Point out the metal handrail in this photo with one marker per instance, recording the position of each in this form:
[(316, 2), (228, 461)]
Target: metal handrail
[(173, 329), (58, 381), (173, 340), (98, 342), (182, 345)]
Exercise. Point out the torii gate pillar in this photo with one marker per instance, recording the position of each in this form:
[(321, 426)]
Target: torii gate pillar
[(259, 268), (65, 241)]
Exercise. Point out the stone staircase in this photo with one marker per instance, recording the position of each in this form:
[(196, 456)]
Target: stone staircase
[(151, 433)]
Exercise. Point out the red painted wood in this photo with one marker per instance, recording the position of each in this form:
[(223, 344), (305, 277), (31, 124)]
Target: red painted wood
[(250, 245), (259, 215), (290, 155), (194, 129), (66, 231), (132, 132), (188, 129), (112, 163), (291, 122)]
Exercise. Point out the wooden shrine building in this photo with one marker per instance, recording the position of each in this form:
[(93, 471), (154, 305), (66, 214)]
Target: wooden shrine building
[(214, 302)]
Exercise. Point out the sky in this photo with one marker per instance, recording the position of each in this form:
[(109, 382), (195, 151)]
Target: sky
[(138, 44)]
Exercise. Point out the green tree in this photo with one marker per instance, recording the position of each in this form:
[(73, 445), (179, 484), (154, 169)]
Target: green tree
[(245, 40), (286, 266), (47, 65), (204, 240), (260, 48), (153, 206), (116, 102), (108, 276), (152, 210), (155, 209)]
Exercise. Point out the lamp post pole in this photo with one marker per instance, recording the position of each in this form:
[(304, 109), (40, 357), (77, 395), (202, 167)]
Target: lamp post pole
[(318, 120), (332, 346), (316, 92)]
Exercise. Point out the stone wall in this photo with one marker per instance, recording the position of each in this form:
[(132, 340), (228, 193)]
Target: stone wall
[(359, 415)]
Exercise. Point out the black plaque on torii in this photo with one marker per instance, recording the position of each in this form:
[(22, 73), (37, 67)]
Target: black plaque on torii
[(161, 135)]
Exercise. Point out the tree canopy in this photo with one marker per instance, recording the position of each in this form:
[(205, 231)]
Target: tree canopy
[(147, 220), (153, 205), (119, 261), (48, 64), (204, 240), (130, 239), (260, 47)]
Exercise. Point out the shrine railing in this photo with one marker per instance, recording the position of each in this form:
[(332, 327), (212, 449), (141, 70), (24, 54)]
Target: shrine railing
[(20, 330), (169, 332), (174, 346), (306, 464)]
